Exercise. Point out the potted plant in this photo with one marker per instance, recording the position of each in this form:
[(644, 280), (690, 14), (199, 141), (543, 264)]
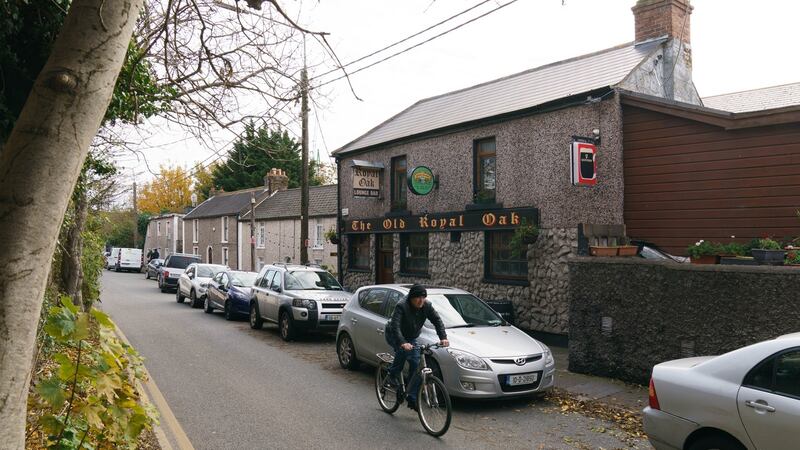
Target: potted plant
[(768, 251), (331, 236), (626, 249), (792, 257), (523, 236), (601, 250), (703, 252)]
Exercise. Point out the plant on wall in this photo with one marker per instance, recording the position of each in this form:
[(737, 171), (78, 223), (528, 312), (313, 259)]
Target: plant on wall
[(331, 237), (523, 236)]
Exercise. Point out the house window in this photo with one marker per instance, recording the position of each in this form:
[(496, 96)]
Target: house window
[(501, 262), (485, 171), (225, 256), (195, 251), (168, 226), (359, 251), (224, 229), (319, 236), (195, 230), (414, 253), (399, 187), (158, 228), (261, 236)]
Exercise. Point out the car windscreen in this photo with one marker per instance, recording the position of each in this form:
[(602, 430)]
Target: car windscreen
[(463, 310), (243, 279), (180, 262), (299, 280), (208, 271)]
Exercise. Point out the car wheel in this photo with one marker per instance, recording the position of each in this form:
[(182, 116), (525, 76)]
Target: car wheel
[(346, 352), (229, 314), (178, 296), (256, 322), (194, 302), (286, 326), (716, 442), (147, 275), (207, 306)]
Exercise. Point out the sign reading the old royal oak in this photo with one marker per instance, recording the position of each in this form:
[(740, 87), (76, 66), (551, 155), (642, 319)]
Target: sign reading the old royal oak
[(499, 219), (420, 180), (366, 182)]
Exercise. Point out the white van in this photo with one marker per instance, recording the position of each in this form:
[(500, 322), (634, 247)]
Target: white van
[(129, 259), (111, 258)]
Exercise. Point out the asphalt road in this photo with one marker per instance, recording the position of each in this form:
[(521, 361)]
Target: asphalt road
[(231, 387)]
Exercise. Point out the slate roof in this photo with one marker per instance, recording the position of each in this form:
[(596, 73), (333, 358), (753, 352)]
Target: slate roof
[(286, 204), (756, 99), (517, 92), (225, 203)]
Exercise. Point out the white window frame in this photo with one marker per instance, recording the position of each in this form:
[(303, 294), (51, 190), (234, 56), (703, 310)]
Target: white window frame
[(224, 229), (319, 240), (261, 236), (225, 256), (196, 250), (168, 227), (158, 228), (195, 230)]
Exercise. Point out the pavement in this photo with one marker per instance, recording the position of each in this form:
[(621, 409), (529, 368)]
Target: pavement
[(223, 385)]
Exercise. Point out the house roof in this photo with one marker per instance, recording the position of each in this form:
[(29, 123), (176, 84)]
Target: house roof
[(516, 92), (286, 204), (756, 99), (225, 203)]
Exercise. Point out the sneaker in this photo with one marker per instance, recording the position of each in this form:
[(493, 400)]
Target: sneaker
[(392, 382), (412, 405)]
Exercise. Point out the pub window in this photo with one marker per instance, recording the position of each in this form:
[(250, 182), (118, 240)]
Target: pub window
[(359, 251), (501, 262), (485, 171), (414, 253), (399, 180)]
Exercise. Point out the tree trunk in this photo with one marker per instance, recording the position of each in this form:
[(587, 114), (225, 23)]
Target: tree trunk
[(71, 263), (39, 166)]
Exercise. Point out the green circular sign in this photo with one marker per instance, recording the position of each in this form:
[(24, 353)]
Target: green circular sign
[(420, 180)]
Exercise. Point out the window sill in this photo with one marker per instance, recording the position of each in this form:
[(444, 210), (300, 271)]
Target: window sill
[(398, 213), (506, 281), (317, 248), (414, 275), (480, 206), (357, 270)]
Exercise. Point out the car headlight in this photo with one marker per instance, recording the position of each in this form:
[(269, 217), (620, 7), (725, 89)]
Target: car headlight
[(304, 303), (204, 284), (468, 360), (548, 356)]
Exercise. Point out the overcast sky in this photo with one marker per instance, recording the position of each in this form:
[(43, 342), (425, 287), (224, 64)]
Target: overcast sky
[(736, 45)]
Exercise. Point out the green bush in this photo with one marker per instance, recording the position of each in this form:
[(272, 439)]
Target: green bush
[(768, 244), (704, 248)]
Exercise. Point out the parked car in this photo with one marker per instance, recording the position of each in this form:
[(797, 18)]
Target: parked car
[(487, 357), (173, 267), (112, 257), (230, 292), (193, 282), (129, 259), (297, 298), (151, 270), (745, 399)]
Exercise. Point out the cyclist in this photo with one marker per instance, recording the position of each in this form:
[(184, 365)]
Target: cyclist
[(402, 333)]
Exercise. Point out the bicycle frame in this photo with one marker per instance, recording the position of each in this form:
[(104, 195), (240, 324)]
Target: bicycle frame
[(423, 371)]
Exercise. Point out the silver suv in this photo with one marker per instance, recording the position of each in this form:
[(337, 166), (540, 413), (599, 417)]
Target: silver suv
[(297, 298)]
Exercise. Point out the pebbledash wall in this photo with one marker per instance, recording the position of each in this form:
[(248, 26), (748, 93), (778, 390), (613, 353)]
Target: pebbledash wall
[(533, 171), (628, 315)]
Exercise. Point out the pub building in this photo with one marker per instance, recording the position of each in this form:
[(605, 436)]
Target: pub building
[(434, 194)]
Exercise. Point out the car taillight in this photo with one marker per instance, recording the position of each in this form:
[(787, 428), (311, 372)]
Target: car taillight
[(166, 275), (652, 395)]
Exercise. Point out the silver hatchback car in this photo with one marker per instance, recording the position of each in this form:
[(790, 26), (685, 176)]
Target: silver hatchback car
[(487, 357)]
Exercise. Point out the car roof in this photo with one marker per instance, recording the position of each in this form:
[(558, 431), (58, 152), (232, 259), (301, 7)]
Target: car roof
[(404, 288), (184, 254), (790, 336), (293, 267)]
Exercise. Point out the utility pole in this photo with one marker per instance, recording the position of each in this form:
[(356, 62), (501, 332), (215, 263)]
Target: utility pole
[(252, 232), (304, 179), (135, 218)]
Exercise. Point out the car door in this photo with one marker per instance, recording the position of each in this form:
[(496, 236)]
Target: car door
[(215, 296), (392, 299), (368, 331), (273, 296), (262, 292), (185, 280), (769, 401)]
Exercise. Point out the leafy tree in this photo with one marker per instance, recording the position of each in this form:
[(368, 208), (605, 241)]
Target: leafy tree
[(256, 152), (204, 181), (169, 192)]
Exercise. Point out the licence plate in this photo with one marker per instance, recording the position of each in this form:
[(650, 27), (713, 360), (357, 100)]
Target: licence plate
[(331, 316), (525, 378)]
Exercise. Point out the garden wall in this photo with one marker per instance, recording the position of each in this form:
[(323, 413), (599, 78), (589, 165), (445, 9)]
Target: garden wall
[(628, 315)]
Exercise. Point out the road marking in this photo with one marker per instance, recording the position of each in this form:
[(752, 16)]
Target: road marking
[(167, 417)]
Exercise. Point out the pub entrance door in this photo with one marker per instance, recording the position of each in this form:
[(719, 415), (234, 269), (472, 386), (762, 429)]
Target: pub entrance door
[(384, 269)]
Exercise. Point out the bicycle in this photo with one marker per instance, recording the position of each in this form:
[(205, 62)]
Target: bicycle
[(433, 400)]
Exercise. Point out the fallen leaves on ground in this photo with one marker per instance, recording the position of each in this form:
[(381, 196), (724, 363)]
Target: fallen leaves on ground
[(628, 420)]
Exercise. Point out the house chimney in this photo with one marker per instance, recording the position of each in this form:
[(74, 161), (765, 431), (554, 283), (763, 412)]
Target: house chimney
[(277, 180), (659, 18), (213, 191)]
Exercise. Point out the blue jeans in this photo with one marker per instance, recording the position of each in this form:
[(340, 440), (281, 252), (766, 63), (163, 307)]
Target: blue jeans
[(400, 358)]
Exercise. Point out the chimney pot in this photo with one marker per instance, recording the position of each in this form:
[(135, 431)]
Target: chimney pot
[(277, 180)]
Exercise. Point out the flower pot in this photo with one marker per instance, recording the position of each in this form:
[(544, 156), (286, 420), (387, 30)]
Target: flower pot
[(706, 259), (334, 240), (603, 251), (628, 250), (768, 257)]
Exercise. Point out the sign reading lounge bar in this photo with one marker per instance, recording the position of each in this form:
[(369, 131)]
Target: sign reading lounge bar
[(499, 219), (366, 182)]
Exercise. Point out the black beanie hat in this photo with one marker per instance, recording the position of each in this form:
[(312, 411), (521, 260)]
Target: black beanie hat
[(417, 291)]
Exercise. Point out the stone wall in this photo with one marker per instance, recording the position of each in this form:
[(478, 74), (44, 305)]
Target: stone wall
[(353, 279), (628, 315)]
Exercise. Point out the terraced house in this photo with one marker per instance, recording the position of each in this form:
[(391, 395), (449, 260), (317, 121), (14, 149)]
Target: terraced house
[(164, 232)]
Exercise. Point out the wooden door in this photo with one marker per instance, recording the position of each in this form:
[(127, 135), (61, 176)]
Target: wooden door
[(384, 272)]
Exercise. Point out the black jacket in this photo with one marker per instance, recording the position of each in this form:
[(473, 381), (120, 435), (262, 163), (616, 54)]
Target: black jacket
[(407, 321)]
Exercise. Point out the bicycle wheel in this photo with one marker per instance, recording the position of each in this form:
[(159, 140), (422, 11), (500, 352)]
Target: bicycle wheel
[(433, 406), (387, 396)]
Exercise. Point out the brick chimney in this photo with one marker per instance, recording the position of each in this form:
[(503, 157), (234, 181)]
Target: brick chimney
[(276, 180), (658, 18)]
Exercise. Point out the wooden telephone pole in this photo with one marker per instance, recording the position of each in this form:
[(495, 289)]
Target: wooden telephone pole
[(304, 178), (135, 219)]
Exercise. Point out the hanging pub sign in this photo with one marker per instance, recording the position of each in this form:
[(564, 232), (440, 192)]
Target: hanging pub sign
[(366, 182), (583, 156), (496, 219), (421, 180)]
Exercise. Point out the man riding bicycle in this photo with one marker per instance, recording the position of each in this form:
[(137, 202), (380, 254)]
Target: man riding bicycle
[(402, 333)]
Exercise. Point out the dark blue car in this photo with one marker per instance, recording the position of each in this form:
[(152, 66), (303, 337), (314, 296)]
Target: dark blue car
[(229, 291)]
